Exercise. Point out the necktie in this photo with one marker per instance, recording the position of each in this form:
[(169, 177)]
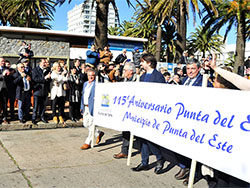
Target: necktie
[(25, 84), (188, 82)]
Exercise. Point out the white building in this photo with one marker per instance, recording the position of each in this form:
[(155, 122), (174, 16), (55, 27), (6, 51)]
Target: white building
[(82, 20)]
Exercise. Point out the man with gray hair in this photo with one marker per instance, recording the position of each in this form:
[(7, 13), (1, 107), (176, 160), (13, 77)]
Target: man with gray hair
[(87, 109), (121, 57), (194, 78), (23, 92), (129, 76)]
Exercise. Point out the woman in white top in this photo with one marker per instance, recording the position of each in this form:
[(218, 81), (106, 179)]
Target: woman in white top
[(57, 92)]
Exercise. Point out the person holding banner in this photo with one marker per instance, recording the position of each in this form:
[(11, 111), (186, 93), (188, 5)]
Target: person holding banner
[(239, 81), (87, 108), (225, 78), (194, 78), (148, 62), (129, 71)]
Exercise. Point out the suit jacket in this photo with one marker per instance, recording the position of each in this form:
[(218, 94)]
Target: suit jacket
[(120, 58), (91, 99), (198, 81), (41, 86), (2, 80), (18, 81), (154, 77)]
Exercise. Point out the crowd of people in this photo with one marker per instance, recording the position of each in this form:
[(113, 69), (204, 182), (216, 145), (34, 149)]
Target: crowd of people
[(76, 84)]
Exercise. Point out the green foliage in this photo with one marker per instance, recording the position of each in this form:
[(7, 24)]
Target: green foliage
[(27, 13), (204, 41), (230, 61)]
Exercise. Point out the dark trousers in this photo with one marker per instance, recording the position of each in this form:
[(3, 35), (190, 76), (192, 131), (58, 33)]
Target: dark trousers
[(125, 142), (73, 109), (3, 99), (146, 147), (39, 105), (11, 97), (58, 101)]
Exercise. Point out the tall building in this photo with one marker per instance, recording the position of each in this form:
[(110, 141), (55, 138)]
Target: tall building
[(83, 20)]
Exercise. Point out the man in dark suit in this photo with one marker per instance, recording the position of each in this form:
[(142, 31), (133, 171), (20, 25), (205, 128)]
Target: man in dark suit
[(121, 57), (193, 78), (77, 66), (148, 62), (23, 92), (41, 78), (11, 89), (3, 88)]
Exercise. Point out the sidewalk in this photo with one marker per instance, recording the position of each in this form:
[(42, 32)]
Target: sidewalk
[(16, 125), (52, 158)]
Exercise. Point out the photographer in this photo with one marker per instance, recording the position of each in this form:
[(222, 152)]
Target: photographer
[(92, 56), (102, 74), (106, 55), (25, 51)]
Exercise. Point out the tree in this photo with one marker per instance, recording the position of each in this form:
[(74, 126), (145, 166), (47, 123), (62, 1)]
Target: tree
[(231, 13), (156, 11), (204, 41), (182, 16), (5, 8), (101, 26), (26, 13), (169, 38)]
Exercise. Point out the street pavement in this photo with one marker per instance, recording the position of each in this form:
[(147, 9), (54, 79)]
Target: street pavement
[(50, 158)]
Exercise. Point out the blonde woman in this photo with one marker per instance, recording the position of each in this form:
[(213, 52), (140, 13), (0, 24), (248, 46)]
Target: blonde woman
[(57, 92)]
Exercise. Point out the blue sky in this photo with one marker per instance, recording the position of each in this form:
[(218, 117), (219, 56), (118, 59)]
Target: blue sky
[(125, 13)]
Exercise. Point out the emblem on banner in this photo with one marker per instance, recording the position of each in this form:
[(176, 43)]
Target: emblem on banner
[(105, 100)]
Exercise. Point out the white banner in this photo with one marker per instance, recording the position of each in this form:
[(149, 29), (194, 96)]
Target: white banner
[(209, 125)]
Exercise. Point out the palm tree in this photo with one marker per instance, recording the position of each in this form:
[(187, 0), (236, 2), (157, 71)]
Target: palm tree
[(4, 13), (26, 13), (174, 11), (182, 16), (114, 31), (142, 30), (156, 11), (205, 41), (236, 12), (169, 38), (101, 26)]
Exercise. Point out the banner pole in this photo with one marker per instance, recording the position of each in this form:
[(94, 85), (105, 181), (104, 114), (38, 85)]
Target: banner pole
[(194, 162), (93, 129), (93, 136), (192, 174), (131, 141)]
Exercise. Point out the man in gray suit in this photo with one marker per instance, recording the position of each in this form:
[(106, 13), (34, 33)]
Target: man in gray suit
[(3, 88)]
